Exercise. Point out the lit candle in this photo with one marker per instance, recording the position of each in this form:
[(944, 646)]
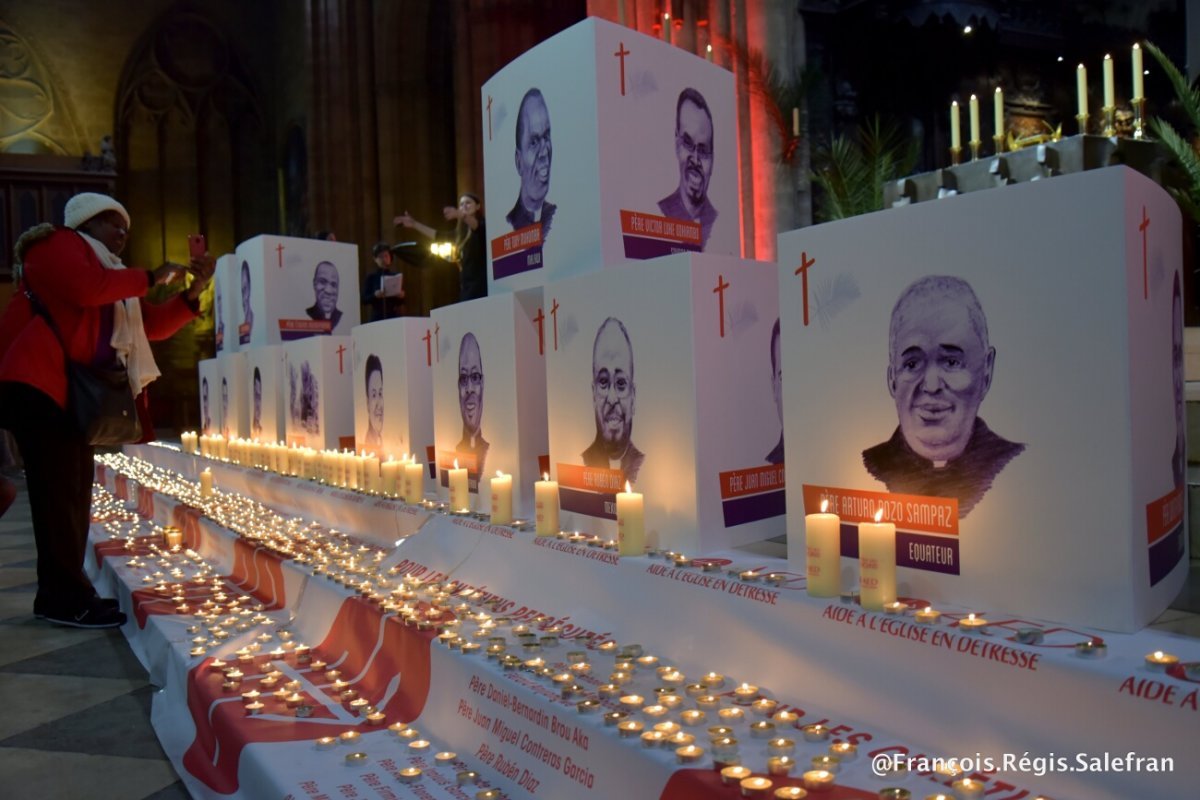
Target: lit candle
[(731, 716), (955, 126), (780, 746), (545, 501), (326, 742), (692, 717), (968, 789), (630, 728), (877, 560), (206, 483), (755, 787), (974, 108), (667, 28), (845, 751), (823, 552), (815, 733), (709, 53), (414, 481), (502, 499), (174, 536), (1158, 661), (780, 766), (631, 523), (745, 694), (688, 754), (713, 680), (735, 774), (928, 616), (790, 793), (1139, 91), (356, 758), (460, 497), (998, 110), (1081, 90), (409, 775), (818, 780), (1109, 87), (973, 624)]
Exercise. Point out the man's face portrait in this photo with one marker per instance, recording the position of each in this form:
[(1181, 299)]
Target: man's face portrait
[(613, 391), (224, 397), (325, 287), (939, 373), (534, 151), (245, 290), (375, 400), (204, 398), (694, 149), (470, 384)]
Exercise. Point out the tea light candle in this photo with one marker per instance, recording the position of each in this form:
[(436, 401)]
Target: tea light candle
[(756, 787), (826, 762), (895, 793), (786, 718), (613, 717), (707, 702), (545, 501), (815, 733), (745, 694), (349, 737), (688, 754), (680, 739), (968, 789), (877, 548), (460, 496), (653, 738), (818, 780), (895, 607), (632, 702), (927, 616), (973, 624), (1091, 649), (356, 758), (731, 776), (762, 730), (409, 775), (713, 680), (763, 707), (667, 700), (655, 711), (629, 728), (502, 499), (780, 766), (467, 777), (326, 743), (631, 523), (418, 745), (822, 547), (445, 757), (790, 793), (692, 717), (667, 728), (1158, 661), (253, 707), (845, 751), (731, 716), (780, 746), (608, 690), (719, 731)]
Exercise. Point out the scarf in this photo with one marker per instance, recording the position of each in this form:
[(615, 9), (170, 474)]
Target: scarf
[(129, 336)]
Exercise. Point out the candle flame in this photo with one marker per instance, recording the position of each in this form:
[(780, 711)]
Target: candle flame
[(928, 609), (824, 505), (499, 474), (1107, 57), (1158, 654), (456, 463), (971, 617), (545, 476), (628, 489), (879, 515)]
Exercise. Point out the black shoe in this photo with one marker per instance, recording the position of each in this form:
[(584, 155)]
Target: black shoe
[(107, 603), (94, 615)]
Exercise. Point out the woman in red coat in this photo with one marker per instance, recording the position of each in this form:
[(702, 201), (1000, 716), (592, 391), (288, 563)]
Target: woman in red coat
[(76, 273)]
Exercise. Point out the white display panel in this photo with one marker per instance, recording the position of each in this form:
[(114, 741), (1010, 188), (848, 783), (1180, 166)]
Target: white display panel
[(233, 395), (266, 388), (393, 389), (603, 144), (297, 288), (665, 377), (317, 377), (1025, 441), (226, 299), (489, 392)]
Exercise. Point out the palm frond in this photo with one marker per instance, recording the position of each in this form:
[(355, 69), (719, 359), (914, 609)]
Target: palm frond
[(1189, 98)]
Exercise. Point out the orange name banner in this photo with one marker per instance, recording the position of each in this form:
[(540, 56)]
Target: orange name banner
[(310, 325), (520, 239), (635, 223), (1164, 515), (446, 459), (911, 512), (591, 479), (741, 482)]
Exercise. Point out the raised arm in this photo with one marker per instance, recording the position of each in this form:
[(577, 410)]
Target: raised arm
[(407, 221)]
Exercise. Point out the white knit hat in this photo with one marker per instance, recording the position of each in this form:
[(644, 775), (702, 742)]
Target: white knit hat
[(86, 205)]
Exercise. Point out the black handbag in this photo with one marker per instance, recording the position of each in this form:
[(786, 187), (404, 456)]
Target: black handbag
[(99, 399)]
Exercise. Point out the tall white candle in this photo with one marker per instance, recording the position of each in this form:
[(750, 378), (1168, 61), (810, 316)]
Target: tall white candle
[(823, 552), (974, 118), (502, 499), (206, 483), (998, 110), (1109, 87), (667, 28), (414, 481), (877, 563), (955, 126), (631, 523), (796, 122), (370, 472), (460, 496), (1139, 90), (390, 472), (545, 502), (1081, 90)]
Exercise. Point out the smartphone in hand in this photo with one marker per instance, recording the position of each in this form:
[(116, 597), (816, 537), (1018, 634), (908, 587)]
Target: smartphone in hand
[(197, 247)]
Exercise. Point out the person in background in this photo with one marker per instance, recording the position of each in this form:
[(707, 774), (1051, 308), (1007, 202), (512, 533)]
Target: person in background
[(470, 243), (382, 307), (75, 272)]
